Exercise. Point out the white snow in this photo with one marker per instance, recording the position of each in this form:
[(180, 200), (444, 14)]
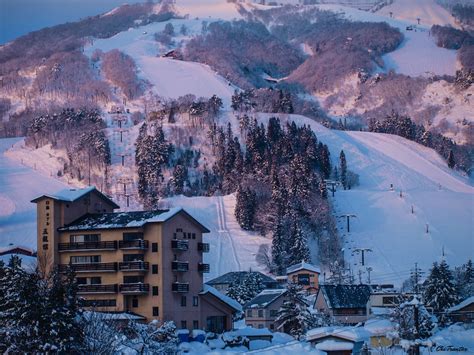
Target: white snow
[(461, 305), (302, 266), (231, 302), (333, 345), (222, 9)]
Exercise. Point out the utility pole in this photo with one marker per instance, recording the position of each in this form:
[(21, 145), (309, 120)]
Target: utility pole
[(333, 184), (416, 276), (348, 216), (360, 277), (369, 270), (362, 251)]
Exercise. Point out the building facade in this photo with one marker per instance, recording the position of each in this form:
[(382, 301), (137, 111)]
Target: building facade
[(262, 310), (305, 275), (148, 262)]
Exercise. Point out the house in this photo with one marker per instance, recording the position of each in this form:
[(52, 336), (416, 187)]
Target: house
[(463, 312), (304, 274), (149, 263), (15, 249), (380, 330), (223, 282), (347, 304), (338, 340), (262, 310)]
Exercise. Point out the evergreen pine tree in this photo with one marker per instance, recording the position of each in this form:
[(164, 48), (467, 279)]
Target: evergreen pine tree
[(404, 316), (451, 161), (343, 169), (293, 316), (299, 248), (440, 292)]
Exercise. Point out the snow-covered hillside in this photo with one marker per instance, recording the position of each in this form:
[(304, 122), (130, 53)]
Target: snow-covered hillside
[(442, 201)]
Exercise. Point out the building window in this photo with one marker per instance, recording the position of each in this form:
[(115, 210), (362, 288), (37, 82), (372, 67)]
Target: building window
[(98, 303), (179, 230), (184, 324), (81, 238), (154, 247), (249, 313), (154, 269), (156, 311), (195, 324), (134, 302), (183, 301), (96, 280), (195, 301), (133, 279), (85, 259), (390, 300), (303, 279), (130, 236), (155, 290), (260, 313), (133, 257), (194, 235), (273, 313)]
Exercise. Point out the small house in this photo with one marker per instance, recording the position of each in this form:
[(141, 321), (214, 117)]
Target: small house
[(223, 282), (338, 340), (346, 304), (380, 330), (305, 275), (262, 310), (463, 312)]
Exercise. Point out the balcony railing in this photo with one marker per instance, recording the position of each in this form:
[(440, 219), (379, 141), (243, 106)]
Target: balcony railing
[(204, 267), (134, 266), (133, 244), (179, 244), (180, 266), (134, 288), (204, 247), (78, 246), (83, 289), (90, 267), (180, 287)]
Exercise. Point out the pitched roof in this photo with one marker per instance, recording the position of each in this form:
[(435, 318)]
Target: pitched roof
[(302, 266), (240, 276), (353, 334), (71, 195), (346, 296), (227, 300), (265, 298), (461, 305), (116, 220)]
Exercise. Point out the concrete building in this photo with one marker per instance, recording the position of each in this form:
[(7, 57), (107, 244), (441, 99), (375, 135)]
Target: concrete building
[(262, 310), (346, 304), (146, 262), (305, 275)]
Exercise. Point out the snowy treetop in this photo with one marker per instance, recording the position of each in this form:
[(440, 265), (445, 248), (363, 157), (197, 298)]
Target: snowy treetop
[(302, 266)]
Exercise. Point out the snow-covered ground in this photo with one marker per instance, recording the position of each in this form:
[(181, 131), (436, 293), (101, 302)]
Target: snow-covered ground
[(18, 186)]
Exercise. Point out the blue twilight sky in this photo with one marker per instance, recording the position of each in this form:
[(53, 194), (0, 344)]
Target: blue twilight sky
[(18, 17)]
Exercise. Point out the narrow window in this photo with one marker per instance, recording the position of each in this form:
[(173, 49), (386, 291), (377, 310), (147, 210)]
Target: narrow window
[(134, 302), (184, 325), (154, 247), (154, 269), (155, 290), (195, 324), (156, 311), (183, 301), (195, 301)]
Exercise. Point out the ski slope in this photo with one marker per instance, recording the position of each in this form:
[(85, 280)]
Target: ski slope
[(18, 186), (441, 199)]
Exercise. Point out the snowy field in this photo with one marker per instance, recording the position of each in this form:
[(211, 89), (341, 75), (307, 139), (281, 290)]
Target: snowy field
[(18, 186)]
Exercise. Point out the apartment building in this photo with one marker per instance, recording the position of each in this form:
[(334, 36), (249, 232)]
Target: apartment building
[(146, 262)]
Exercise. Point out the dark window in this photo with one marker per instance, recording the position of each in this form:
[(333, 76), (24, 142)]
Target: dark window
[(132, 236), (155, 290), (260, 313), (183, 301), (183, 324), (249, 313), (96, 280), (273, 313), (195, 301), (134, 302), (98, 303), (154, 269), (154, 247), (133, 279), (388, 300), (303, 279), (85, 259), (179, 230), (47, 207), (194, 235), (81, 280), (195, 324), (133, 257), (156, 311)]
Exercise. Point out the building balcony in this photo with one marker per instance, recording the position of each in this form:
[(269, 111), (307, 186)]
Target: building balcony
[(180, 287), (87, 246), (180, 266), (92, 289), (204, 247), (90, 267), (179, 244), (134, 266), (204, 268), (137, 244), (134, 288)]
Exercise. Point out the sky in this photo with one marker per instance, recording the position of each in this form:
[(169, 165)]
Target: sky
[(19, 17)]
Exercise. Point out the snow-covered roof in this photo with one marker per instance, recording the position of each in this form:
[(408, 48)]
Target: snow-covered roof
[(346, 296), (265, 298), (249, 332), (353, 334), (136, 219), (72, 194), (461, 305), (229, 301), (333, 345), (239, 276), (379, 326), (9, 249), (302, 266), (113, 315)]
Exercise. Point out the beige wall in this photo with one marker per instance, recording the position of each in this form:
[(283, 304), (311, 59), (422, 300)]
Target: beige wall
[(212, 307), (313, 280)]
